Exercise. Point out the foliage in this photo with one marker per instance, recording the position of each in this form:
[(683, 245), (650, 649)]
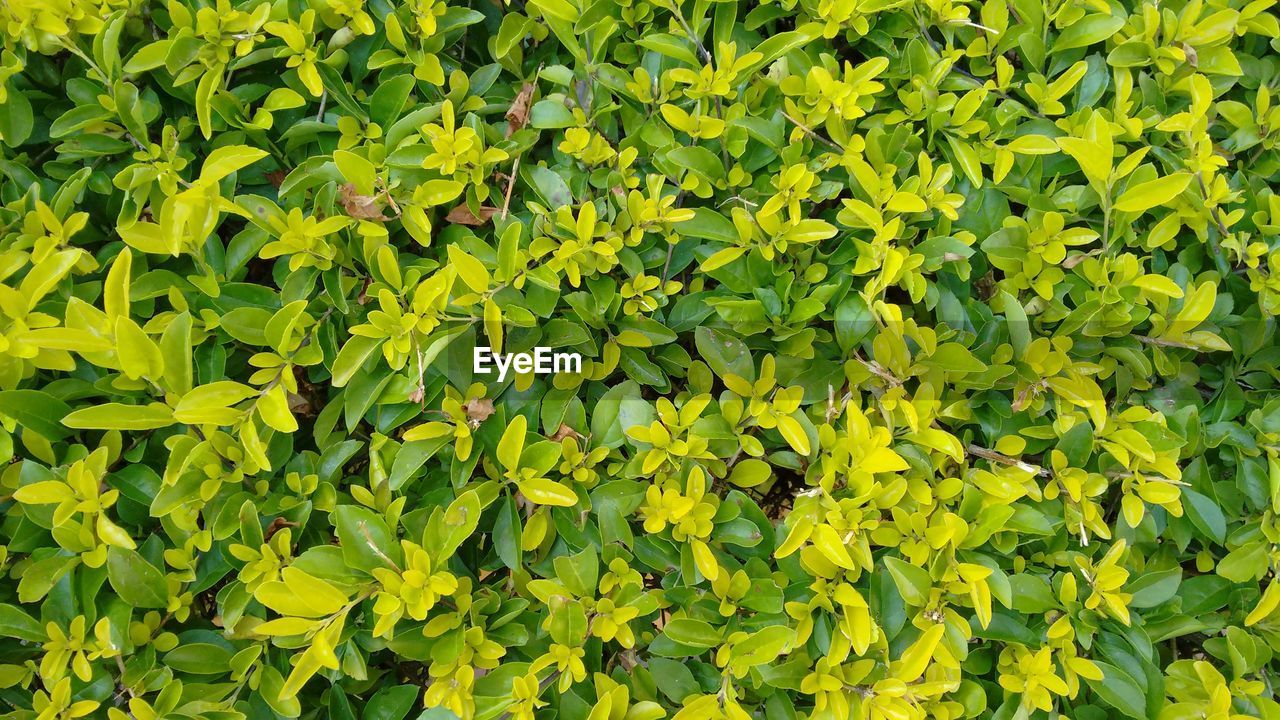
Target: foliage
[(930, 359)]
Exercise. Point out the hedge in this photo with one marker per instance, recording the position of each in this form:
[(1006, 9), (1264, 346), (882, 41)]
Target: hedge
[(927, 359)]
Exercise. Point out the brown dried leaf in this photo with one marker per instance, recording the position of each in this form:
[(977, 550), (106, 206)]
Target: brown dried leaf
[(277, 177), (566, 431), (462, 215), (299, 404), (518, 113), (360, 207), (478, 410)]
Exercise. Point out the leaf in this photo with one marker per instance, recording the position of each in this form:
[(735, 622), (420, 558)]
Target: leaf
[(1154, 588), (1144, 196), (548, 113), (967, 158), (726, 354), (360, 206), (1094, 158), (350, 359), (367, 543), (620, 408), (694, 633), (135, 580), (762, 646), (795, 434), (913, 581), (470, 270), (225, 160), (1119, 690), (37, 411), (117, 416), (461, 215), (1205, 514), (1088, 30), (547, 492), (199, 659), (358, 171), (512, 442), (1196, 307), (16, 623), (750, 472), (518, 114), (16, 120)]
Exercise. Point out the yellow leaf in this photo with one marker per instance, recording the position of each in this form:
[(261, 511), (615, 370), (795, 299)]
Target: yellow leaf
[(915, 660), (705, 560), (286, 626), (828, 541), (115, 291), (1267, 604), (1144, 196), (471, 270), (1196, 307), (800, 532), (793, 432), (721, 258), (547, 492), (1159, 285), (1093, 159), (273, 407), (426, 431), (1033, 144)]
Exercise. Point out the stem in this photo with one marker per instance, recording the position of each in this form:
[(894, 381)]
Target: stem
[(809, 131), (993, 456)]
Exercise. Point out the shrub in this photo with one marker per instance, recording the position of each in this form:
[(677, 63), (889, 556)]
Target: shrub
[(928, 359)]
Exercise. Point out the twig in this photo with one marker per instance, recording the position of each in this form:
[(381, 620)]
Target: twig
[(368, 538), (1003, 459), (879, 371), (511, 183), (689, 31), (809, 131), (1161, 342)]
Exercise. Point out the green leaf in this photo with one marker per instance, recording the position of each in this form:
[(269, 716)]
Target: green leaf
[(1088, 30), (726, 354), (620, 408), (367, 543), (135, 580), (694, 633), (16, 623), (37, 411), (549, 113), (913, 581), (1153, 588), (1119, 690), (199, 659)]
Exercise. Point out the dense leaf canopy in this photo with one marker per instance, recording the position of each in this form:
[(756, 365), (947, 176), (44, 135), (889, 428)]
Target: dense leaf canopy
[(929, 359)]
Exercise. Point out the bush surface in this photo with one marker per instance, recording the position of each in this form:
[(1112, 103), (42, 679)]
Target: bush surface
[(929, 359)]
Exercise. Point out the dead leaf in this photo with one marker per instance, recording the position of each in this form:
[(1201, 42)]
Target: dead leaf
[(462, 215), (566, 431), (518, 113), (360, 207), (277, 525), (478, 410), (299, 405), (277, 177)]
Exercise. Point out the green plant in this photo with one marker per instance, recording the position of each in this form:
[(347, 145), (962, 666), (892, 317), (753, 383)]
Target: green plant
[(929, 351)]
